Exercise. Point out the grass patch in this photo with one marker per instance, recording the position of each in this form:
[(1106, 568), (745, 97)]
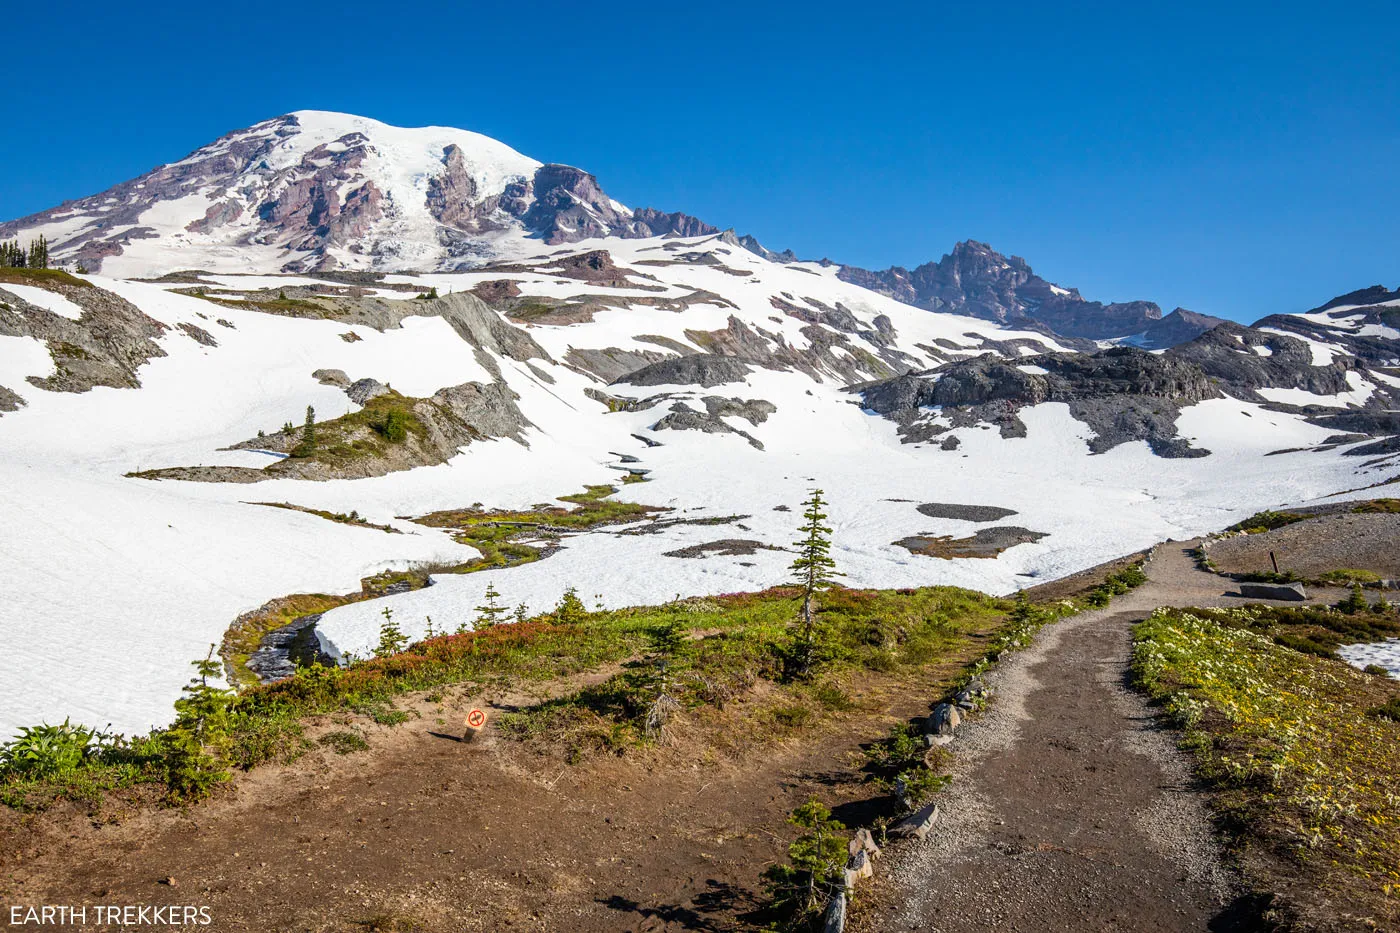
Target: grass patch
[(352, 518), (493, 532), (1289, 744), (40, 276), (1348, 576), (1266, 520), (1385, 506)]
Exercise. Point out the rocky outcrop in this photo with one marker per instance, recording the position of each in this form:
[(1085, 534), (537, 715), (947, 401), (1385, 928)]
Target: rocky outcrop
[(1124, 394), (1176, 328), (108, 343), (976, 280), (700, 369)]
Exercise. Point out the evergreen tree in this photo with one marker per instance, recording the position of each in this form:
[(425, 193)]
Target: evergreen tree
[(431, 633), (308, 434), (522, 613), (392, 640), (1355, 601), (193, 747), (667, 642), (818, 858), (491, 612), (814, 570), (570, 608)]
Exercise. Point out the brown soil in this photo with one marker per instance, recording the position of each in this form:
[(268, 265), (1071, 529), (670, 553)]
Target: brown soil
[(1312, 547), (425, 832)]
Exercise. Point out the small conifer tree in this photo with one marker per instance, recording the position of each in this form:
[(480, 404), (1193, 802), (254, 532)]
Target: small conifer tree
[(818, 858), (491, 612), (814, 570), (308, 432), (1355, 601), (192, 749), (522, 613), (392, 640), (570, 608)]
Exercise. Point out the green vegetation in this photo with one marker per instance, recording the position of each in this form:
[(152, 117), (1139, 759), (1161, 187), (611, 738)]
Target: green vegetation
[(1266, 521), (288, 307), (800, 891), (1389, 506), (343, 742), (1116, 584), (47, 751), (350, 518), (813, 571), (1350, 576), (27, 276), (384, 420), (492, 532), (392, 640), (15, 256), (1290, 744)]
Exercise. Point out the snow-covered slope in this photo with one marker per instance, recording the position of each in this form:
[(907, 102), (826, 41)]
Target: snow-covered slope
[(573, 340), (111, 584)]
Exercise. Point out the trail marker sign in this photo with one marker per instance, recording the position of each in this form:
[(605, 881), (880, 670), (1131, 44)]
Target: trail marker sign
[(476, 721)]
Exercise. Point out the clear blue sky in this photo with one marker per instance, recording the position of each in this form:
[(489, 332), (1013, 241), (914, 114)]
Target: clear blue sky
[(1235, 158)]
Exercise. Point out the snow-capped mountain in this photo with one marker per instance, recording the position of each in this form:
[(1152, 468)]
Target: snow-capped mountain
[(313, 190), (571, 342)]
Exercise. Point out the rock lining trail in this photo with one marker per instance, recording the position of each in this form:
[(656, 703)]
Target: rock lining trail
[(1070, 806)]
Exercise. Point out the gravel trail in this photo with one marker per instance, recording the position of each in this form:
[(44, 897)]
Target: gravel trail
[(1070, 808)]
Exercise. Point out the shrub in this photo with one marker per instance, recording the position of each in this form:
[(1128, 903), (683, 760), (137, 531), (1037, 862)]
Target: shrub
[(344, 742), (394, 426), (49, 751), (1355, 601)]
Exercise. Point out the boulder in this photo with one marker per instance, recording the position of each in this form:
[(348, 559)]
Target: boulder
[(332, 377), (944, 720), (916, 824), (858, 868), (863, 841), (1289, 591), (365, 389), (835, 921)]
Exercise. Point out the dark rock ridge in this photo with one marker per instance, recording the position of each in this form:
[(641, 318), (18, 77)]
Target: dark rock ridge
[(976, 280), (1127, 393)]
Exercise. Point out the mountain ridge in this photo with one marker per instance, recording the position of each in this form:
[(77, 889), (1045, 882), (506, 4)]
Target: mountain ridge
[(318, 191)]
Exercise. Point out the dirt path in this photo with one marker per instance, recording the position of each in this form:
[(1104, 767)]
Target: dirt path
[(1070, 808)]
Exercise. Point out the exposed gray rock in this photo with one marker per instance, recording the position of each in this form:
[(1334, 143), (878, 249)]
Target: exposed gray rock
[(965, 513), (362, 390), (9, 401), (1288, 591), (701, 369), (728, 547), (332, 377), (834, 921), (105, 347), (684, 418), (917, 824), (944, 720)]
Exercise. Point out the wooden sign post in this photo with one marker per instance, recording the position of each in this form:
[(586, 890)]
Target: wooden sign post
[(475, 722)]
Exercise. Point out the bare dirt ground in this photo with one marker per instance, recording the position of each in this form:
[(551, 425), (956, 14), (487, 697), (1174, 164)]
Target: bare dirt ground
[(1315, 546), (426, 833), (1070, 808)]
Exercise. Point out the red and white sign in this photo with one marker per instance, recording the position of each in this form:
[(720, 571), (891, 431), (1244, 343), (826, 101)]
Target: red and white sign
[(476, 719)]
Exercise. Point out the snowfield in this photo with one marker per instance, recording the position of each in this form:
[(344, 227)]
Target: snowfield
[(111, 585)]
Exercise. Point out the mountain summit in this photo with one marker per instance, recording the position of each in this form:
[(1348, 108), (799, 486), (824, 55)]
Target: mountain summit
[(976, 280), (313, 190)]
